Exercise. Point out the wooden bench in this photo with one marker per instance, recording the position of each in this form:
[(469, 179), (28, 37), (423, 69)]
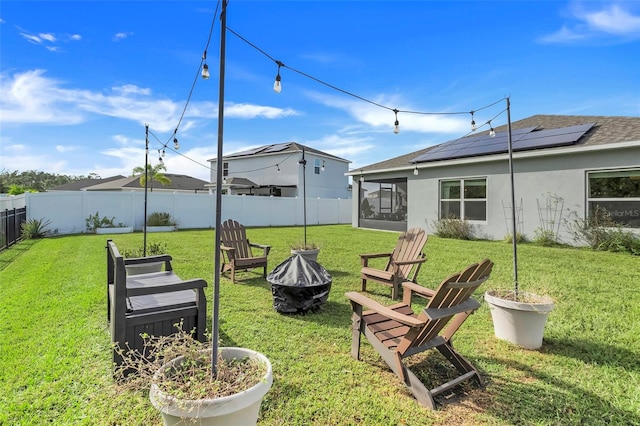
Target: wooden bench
[(150, 302)]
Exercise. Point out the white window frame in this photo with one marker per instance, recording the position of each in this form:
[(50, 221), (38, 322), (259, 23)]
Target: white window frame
[(462, 200)]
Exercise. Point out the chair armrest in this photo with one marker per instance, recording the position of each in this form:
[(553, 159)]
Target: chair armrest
[(410, 262), (409, 287), (362, 300), (264, 247), (470, 304), (374, 255), (192, 284)]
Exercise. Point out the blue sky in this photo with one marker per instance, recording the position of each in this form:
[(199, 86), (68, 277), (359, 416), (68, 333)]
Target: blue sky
[(80, 79)]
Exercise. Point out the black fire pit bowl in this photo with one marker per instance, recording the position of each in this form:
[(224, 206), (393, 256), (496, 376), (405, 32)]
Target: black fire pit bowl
[(299, 285)]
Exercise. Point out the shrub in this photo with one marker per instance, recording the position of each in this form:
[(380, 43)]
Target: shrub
[(153, 249), (95, 221), (160, 219), (545, 237), (600, 232), (454, 227), (520, 238), (35, 228)]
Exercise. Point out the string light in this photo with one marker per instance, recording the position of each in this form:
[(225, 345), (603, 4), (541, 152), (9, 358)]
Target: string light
[(277, 85), (415, 171), (396, 125), (205, 67), (278, 166), (175, 143), (361, 176), (492, 132), (473, 123), (322, 168)]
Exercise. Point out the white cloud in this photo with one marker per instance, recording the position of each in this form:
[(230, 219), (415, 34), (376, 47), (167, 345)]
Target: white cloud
[(121, 36), (31, 97), (65, 148), (610, 21), (75, 37), (255, 111), (384, 119), (48, 36), (31, 38)]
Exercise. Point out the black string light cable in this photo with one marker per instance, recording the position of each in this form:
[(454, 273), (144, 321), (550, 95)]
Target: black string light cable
[(278, 84)]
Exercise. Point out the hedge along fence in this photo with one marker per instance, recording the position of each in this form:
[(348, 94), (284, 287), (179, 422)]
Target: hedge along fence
[(68, 210)]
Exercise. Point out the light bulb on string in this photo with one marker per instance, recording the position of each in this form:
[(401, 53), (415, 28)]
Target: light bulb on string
[(396, 125), (162, 155), (205, 67), (278, 167), (473, 123), (492, 132), (176, 145), (361, 177), (277, 85), (322, 168), (415, 171)]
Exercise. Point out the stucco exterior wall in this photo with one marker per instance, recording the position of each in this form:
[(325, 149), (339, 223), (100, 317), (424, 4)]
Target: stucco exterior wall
[(538, 177)]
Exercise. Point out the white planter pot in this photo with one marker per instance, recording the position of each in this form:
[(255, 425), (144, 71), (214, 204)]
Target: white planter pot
[(161, 228), (241, 409), (116, 230), (311, 254), (520, 323)]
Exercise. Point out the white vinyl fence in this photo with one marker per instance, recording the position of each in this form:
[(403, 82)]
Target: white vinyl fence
[(67, 210)]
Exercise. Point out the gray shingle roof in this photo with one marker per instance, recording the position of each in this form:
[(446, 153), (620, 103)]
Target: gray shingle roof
[(290, 147), (178, 182), (607, 130)]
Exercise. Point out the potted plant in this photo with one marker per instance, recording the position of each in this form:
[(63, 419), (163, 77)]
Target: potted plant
[(160, 222), (105, 225), (518, 317), (307, 249), (177, 370)]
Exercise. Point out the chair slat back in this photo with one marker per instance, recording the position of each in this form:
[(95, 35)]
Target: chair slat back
[(234, 235), (408, 247), (453, 290)]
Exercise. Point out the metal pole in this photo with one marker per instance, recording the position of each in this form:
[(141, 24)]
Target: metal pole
[(514, 238), (304, 196), (216, 272), (146, 184)]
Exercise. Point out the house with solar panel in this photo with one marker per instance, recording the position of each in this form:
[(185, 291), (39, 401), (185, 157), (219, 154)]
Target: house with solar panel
[(565, 167), (284, 170)]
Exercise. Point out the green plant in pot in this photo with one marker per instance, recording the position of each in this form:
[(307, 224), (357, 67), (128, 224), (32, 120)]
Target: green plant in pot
[(177, 370), (518, 317), (305, 248)]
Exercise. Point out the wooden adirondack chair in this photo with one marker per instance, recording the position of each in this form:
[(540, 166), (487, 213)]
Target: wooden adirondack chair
[(397, 333), (236, 250), (403, 264)]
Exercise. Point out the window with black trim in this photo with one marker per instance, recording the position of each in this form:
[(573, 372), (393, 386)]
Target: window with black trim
[(618, 193), (463, 199), (225, 169)]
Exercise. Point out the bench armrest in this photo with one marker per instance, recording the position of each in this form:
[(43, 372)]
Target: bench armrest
[(147, 259)]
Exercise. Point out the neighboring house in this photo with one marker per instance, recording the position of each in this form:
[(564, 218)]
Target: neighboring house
[(276, 170), (179, 183), (564, 167), (82, 184)]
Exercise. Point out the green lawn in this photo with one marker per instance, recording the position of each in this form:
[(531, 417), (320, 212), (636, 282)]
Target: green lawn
[(55, 344)]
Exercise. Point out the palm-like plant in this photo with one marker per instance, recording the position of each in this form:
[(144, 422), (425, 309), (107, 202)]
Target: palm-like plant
[(154, 173)]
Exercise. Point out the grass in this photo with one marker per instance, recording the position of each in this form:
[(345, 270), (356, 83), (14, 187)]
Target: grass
[(55, 342)]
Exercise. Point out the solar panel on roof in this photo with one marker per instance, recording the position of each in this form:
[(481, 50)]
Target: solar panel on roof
[(522, 139), (277, 147), (247, 152)]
